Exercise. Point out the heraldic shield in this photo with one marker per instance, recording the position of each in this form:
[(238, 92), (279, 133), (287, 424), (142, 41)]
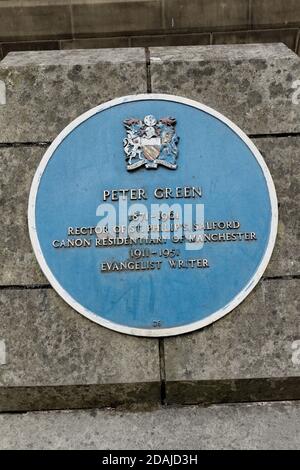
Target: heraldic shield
[(151, 142)]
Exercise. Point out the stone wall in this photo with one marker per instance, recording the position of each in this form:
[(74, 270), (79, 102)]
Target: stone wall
[(51, 356), (82, 24)]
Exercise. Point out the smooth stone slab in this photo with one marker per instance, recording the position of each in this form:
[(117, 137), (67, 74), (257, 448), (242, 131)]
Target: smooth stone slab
[(239, 426), (19, 266), (35, 19), (275, 13), (256, 341), (49, 346), (45, 91), (207, 14), (250, 84), (92, 17)]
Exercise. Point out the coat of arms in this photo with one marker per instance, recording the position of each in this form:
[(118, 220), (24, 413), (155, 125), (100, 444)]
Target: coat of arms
[(151, 142)]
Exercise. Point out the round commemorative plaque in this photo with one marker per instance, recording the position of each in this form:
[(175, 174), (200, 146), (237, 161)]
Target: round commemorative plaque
[(153, 215)]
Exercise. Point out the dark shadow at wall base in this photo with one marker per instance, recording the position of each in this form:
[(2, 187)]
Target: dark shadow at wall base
[(132, 396), (232, 391)]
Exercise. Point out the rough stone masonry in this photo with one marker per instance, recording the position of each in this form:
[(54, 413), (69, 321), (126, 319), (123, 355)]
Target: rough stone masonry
[(51, 356)]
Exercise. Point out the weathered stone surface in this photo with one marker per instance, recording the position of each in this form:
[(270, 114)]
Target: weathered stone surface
[(287, 36), (91, 17), (48, 344), (206, 14), (17, 260), (47, 90), (282, 158), (285, 260), (240, 426), (275, 12), (250, 84), (281, 154), (35, 19), (258, 340)]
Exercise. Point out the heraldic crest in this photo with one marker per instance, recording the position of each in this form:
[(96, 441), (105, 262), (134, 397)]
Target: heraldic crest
[(151, 142)]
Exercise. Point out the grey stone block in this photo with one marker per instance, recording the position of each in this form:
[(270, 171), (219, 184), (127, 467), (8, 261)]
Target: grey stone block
[(275, 12), (249, 354), (17, 260), (51, 348), (282, 158), (47, 90), (285, 260), (91, 17), (250, 84), (286, 36), (239, 426), (35, 20), (206, 14), (281, 154)]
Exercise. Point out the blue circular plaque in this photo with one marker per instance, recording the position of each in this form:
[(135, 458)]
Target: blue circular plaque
[(153, 215)]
